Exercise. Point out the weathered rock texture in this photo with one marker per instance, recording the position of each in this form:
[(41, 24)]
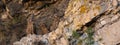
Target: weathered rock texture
[(77, 14), (107, 28), (52, 22), (18, 18)]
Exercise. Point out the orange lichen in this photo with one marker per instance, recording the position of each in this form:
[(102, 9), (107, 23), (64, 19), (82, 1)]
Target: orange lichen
[(95, 14), (85, 1), (83, 9), (97, 7)]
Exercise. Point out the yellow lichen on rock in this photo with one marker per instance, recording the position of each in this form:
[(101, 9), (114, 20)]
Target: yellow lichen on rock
[(97, 7), (83, 9)]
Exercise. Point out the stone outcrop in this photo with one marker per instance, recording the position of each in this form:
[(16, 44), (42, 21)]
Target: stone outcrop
[(77, 14), (107, 28), (18, 18)]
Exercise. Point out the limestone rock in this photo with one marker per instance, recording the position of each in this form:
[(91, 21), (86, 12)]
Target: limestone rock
[(77, 14)]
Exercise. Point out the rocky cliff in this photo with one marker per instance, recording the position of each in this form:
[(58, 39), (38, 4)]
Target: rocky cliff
[(60, 22)]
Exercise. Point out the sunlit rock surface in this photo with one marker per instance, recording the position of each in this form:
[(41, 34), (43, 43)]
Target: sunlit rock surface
[(77, 14), (107, 28)]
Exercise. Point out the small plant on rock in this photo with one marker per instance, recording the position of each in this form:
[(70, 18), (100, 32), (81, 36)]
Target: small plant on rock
[(86, 38), (89, 39)]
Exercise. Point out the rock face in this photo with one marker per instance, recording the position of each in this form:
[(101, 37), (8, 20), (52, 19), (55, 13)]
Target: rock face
[(107, 28), (52, 22), (78, 14), (18, 18)]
